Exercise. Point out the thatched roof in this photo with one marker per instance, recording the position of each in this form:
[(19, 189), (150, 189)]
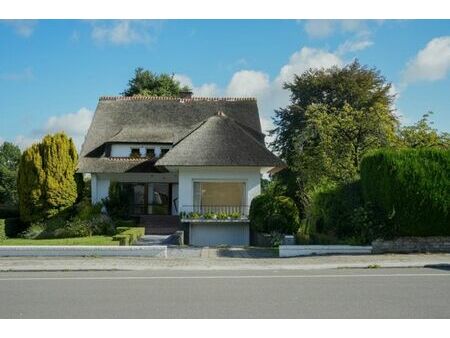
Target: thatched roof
[(174, 121), (219, 141)]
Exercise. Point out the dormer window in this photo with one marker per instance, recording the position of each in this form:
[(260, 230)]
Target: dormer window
[(135, 153), (150, 153)]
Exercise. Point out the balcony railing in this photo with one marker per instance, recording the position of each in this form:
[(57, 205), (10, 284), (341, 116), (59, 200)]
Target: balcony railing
[(214, 211)]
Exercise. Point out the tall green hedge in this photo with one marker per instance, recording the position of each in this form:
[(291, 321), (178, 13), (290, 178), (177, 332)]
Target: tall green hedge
[(410, 189), (46, 182)]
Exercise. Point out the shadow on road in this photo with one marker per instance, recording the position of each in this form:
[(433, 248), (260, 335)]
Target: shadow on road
[(247, 252)]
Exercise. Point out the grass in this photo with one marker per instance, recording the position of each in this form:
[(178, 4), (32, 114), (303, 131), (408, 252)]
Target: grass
[(92, 240)]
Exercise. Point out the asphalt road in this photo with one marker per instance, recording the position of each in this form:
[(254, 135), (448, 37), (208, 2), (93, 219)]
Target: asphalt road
[(349, 293)]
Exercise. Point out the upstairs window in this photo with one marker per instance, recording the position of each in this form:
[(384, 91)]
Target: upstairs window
[(150, 153), (135, 153)]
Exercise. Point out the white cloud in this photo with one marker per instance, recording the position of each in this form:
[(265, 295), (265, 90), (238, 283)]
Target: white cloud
[(305, 59), (75, 125), (326, 28), (123, 32), (205, 90), (24, 75), (360, 42), (319, 28), (24, 28), (431, 63), (248, 83)]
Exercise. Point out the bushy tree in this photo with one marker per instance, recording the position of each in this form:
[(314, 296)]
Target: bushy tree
[(46, 178), (423, 135), (336, 115), (147, 83), (9, 161)]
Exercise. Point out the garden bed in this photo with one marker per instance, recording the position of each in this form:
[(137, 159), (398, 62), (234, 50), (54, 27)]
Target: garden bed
[(92, 240)]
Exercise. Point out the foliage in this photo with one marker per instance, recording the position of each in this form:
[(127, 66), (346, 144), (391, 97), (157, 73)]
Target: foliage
[(423, 135), (9, 211), (13, 227), (337, 210), (409, 190), (9, 161), (273, 214), (119, 200), (148, 83), (336, 115), (127, 236), (91, 240), (46, 182), (2, 230)]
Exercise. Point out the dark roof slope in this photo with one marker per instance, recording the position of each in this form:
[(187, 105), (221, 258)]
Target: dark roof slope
[(220, 141), (160, 119)]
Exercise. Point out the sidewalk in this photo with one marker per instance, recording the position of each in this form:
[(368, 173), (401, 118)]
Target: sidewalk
[(217, 259)]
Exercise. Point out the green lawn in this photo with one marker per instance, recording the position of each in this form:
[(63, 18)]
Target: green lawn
[(93, 240)]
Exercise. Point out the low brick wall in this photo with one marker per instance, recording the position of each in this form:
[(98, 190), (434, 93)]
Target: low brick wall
[(412, 244)]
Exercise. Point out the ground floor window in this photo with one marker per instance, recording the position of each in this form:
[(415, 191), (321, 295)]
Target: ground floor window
[(149, 198), (217, 197)]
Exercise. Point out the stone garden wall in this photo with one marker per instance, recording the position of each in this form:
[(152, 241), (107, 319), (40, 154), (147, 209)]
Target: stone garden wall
[(412, 244)]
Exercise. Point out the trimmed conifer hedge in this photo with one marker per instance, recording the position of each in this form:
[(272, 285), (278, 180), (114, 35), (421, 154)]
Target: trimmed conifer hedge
[(410, 189)]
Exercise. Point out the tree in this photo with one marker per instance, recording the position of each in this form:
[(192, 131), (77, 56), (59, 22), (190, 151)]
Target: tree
[(46, 178), (336, 115), (9, 160), (147, 83), (423, 135)]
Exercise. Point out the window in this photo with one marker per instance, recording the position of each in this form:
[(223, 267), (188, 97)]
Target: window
[(219, 197), (150, 153), (135, 153)]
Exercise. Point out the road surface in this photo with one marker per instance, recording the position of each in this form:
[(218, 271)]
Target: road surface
[(338, 293)]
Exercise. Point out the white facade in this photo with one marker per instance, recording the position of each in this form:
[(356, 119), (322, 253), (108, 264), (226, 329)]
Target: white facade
[(251, 177), (124, 150)]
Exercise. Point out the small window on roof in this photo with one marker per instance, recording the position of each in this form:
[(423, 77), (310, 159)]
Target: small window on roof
[(135, 153), (150, 153)]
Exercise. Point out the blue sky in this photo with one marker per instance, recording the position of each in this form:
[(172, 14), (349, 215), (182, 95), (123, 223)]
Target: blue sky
[(53, 71)]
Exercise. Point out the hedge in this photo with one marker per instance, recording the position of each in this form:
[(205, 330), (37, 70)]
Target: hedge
[(274, 214), (410, 189), (2, 230), (128, 235)]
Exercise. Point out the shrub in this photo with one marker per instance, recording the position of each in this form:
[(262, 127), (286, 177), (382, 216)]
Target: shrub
[(73, 228), (13, 227), (45, 181), (118, 202), (34, 230), (331, 207), (409, 190), (2, 230), (128, 236), (8, 211), (273, 214)]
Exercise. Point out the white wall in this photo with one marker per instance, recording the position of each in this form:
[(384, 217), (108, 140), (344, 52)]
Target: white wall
[(124, 150), (187, 176), (100, 182)]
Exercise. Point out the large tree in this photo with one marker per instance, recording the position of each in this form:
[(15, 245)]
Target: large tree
[(46, 178), (9, 161), (147, 83), (423, 135), (336, 115)]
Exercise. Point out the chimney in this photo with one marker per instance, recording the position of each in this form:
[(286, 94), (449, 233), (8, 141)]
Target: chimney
[(185, 94)]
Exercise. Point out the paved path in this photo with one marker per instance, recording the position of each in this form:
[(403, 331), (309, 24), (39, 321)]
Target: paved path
[(207, 259), (369, 293)]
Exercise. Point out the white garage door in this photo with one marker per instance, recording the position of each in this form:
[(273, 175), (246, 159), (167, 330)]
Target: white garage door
[(212, 234)]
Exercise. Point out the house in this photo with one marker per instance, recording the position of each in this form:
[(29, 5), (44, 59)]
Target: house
[(183, 156)]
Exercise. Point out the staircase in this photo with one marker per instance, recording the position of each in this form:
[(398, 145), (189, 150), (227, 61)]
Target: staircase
[(160, 224)]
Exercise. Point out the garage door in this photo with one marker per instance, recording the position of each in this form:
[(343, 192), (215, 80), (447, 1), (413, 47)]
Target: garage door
[(212, 234)]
